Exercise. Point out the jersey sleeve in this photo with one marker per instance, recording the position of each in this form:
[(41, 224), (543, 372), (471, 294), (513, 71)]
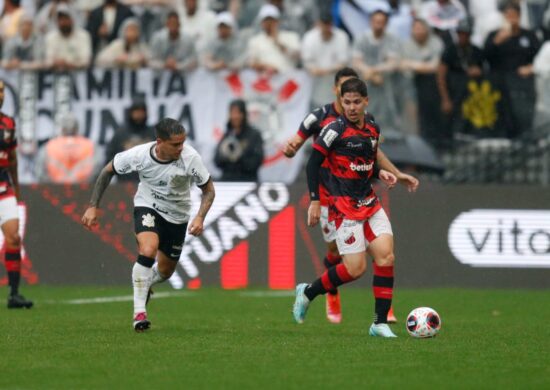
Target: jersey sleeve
[(329, 134), (198, 171), (125, 162), (11, 137), (311, 125)]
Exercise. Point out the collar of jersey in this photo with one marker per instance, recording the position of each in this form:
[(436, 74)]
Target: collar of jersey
[(156, 159)]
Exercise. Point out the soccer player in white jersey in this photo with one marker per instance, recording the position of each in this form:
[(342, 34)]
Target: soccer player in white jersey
[(162, 204)]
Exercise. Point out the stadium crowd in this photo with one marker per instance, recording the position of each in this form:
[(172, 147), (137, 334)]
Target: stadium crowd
[(430, 65)]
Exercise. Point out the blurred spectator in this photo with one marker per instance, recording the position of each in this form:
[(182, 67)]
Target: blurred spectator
[(197, 22), (401, 19), (420, 60), (325, 50), (226, 51), (443, 15), (10, 19), (460, 63), (240, 152), (171, 49), (134, 132), (26, 49), (69, 158), (541, 67), (376, 57), (297, 15), (510, 52), (128, 51), (487, 18), (69, 46), (273, 50), (46, 19), (151, 14), (104, 23)]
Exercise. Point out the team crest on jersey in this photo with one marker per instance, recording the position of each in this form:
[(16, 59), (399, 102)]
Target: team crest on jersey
[(177, 181), (350, 240), (148, 220)]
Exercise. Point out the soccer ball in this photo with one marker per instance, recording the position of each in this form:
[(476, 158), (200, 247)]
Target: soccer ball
[(423, 322)]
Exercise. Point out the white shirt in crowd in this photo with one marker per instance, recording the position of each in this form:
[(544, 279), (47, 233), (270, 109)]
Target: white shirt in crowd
[(325, 54), (262, 48), (164, 186), (76, 48), (202, 26)]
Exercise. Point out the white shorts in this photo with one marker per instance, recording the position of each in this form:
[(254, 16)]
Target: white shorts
[(328, 228), (354, 236), (8, 209)]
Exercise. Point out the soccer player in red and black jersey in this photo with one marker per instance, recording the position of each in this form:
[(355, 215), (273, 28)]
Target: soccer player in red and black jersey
[(9, 216), (311, 127), (350, 146)]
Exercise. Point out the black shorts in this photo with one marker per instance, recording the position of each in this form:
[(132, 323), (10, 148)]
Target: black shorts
[(171, 235)]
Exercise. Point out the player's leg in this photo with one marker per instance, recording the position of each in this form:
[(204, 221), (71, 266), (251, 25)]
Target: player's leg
[(12, 246), (332, 258), (351, 243), (378, 233), (172, 237)]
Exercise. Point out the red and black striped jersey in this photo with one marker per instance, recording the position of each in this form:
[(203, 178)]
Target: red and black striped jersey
[(8, 142), (351, 155), (311, 126)]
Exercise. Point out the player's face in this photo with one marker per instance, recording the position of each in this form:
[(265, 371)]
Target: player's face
[(339, 85), (354, 106), (172, 147), (1, 93)]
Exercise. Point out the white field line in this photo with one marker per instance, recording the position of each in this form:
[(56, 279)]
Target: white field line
[(121, 298), (268, 294)]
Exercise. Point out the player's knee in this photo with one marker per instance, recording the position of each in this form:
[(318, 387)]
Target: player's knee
[(386, 260), (13, 240), (166, 269), (148, 250), (357, 269)]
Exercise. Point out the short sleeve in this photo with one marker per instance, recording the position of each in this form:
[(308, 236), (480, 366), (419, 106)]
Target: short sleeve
[(311, 125), (329, 134), (198, 171), (125, 162)]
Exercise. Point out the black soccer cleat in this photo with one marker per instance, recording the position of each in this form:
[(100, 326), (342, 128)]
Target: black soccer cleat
[(141, 323), (18, 302)]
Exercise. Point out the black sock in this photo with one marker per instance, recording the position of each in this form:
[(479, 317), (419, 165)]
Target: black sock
[(13, 267), (314, 289), (381, 309)]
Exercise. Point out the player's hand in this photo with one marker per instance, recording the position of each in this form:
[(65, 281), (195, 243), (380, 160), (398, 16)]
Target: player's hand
[(408, 181), (314, 213), (387, 178), (196, 227), (89, 219), (289, 149)]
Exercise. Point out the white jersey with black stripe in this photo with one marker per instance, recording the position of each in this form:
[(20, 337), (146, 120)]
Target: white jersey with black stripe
[(163, 185)]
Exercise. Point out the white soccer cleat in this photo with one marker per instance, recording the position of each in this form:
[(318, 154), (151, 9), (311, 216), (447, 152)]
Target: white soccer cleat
[(301, 304), (381, 330)]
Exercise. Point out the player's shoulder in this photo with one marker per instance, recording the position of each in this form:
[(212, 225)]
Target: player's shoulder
[(338, 126), (370, 121), (189, 152)]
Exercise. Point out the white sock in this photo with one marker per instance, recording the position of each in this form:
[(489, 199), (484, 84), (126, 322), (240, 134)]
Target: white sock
[(157, 277), (141, 280)]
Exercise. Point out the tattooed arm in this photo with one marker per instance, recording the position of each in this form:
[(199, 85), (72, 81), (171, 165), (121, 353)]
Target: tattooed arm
[(89, 218), (208, 194)]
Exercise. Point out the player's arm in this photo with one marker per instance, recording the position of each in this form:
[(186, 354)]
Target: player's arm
[(89, 218), (310, 126), (293, 145), (12, 167), (208, 194), (384, 163), (313, 167)]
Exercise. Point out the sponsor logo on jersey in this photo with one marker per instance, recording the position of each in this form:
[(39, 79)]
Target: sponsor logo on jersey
[(360, 167), (373, 142), (148, 220), (351, 145), (310, 119), (329, 136), (366, 202)]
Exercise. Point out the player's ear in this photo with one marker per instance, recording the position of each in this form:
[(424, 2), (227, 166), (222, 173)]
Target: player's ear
[(366, 101)]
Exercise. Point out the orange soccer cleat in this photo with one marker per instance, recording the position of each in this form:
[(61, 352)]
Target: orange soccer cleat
[(334, 310), (391, 316)]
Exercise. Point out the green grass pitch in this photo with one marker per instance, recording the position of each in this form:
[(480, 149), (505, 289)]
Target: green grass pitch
[(210, 339)]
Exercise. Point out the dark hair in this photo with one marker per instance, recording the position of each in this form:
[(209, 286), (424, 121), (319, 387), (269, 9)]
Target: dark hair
[(354, 85), (382, 12), (344, 72), (511, 5), (168, 127), (172, 14), (241, 105)]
